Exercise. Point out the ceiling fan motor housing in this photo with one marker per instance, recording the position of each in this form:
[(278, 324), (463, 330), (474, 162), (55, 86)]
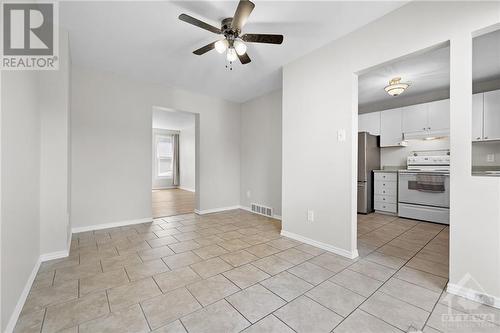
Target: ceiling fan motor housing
[(227, 29)]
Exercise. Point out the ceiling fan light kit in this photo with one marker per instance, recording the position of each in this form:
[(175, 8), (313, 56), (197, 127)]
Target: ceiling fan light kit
[(233, 41), (396, 87)]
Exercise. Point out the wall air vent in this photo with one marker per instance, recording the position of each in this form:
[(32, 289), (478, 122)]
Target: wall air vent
[(262, 210)]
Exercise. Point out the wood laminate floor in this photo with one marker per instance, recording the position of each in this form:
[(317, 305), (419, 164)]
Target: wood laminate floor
[(172, 202)]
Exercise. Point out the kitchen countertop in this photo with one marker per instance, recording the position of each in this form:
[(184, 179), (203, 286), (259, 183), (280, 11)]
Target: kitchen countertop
[(487, 171), (385, 170)]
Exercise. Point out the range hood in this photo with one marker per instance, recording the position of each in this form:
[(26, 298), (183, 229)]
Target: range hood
[(426, 135)]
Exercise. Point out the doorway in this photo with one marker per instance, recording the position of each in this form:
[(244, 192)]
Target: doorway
[(173, 162)]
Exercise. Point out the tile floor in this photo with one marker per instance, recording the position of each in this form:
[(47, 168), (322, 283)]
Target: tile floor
[(172, 202), (232, 272)]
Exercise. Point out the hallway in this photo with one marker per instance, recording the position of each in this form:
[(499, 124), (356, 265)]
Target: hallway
[(172, 202)]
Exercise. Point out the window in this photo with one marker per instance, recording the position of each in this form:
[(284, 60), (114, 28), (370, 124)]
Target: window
[(164, 156)]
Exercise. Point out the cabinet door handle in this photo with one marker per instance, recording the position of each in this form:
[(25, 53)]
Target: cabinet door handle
[(478, 138), (486, 137)]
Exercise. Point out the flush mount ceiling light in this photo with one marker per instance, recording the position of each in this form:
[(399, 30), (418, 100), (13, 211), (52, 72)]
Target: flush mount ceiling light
[(395, 87)]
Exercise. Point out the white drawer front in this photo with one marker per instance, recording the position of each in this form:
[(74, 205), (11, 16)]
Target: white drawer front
[(385, 199), (386, 207), (386, 176), (386, 188)]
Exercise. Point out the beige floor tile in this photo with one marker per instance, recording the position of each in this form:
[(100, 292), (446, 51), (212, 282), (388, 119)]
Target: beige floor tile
[(373, 270), (305, 316), (338, 299), (218, 317), (272, 264), (395, 251), (43, 279), (184, 246), (109, 264), (360, 321), (52, 265), (177, 278), (186, 236), (238, 258), (72, 313), (357, 282), (465, 305), (156, 253), (230, 235), (423, 279), (102, 281), (294, 256), (255, 302), (446, 319), (209, 239), (332, 262), (286, 285), (315, 251), (210, 251), (132, 293), (385, 260), (42, 297), (175, 327), (262, 250), (270, 324), (283, 243), (147, 269), (429, 267), (234, 244), (212, 289), (211, 267), (246, 276), (181, 260), (256, 239), (129, 319), (311, 273), (169, 307), (30, 322), (162, 241), (395, 312), (77, 272), (411, 293)]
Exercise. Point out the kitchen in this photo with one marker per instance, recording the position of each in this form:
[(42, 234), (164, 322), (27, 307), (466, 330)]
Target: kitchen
[(403, 131)]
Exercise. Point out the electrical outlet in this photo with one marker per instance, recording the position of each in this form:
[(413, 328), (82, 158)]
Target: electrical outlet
[(341, 135), (490, 158), (310, 215), (249, 194)]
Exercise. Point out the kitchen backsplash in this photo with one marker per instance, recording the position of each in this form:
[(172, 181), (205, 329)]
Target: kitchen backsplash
[(396, 156), (486, 153)]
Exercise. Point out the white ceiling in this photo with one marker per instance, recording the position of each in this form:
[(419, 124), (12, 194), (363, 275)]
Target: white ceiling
[(425, 72), (172, 120), (145, 40)]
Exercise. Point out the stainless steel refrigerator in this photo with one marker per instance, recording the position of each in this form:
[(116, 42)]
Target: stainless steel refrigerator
[(368, 160)]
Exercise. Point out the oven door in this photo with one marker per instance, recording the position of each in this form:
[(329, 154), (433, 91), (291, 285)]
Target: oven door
[(410, 193)]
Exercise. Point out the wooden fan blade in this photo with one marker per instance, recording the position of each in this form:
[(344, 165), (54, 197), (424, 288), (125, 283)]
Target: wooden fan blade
[(198, 23), (242, 13), (244, 59), (263, 38), (205, 49)]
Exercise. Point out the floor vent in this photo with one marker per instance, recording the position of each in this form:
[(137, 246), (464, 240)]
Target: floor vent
[(262, 210)]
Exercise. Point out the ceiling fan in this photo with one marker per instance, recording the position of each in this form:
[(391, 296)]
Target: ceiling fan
[(231, 27)]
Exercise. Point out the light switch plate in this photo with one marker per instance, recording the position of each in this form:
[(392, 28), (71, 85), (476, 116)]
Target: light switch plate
[(310, 215), (341, 135)]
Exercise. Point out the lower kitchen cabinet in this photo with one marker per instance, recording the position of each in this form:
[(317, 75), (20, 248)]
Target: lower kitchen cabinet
[(386, 192)]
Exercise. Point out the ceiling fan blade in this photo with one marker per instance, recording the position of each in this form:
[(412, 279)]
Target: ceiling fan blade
[(205, 49), (263, 38), (244, 59), (242, 13), (200, 24)]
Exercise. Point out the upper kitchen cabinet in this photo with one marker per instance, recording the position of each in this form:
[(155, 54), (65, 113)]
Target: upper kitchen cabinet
[(477, 117), (391, 134), (369, 122), (414, 118), (439, 115), (491, 129)]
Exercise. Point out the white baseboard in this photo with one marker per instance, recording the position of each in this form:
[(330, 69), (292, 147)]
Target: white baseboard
[(187, 189), (111, 225), (215, 210), (22, 299), (327, 247), (54, 255), (473, 295), (248, 209)]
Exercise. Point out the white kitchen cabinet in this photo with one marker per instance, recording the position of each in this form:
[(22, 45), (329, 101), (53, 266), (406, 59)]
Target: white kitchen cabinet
[(438, 115), (477, 117), (391, 133), (386, 192), (369, 122), (491, 128), (415, 118)]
